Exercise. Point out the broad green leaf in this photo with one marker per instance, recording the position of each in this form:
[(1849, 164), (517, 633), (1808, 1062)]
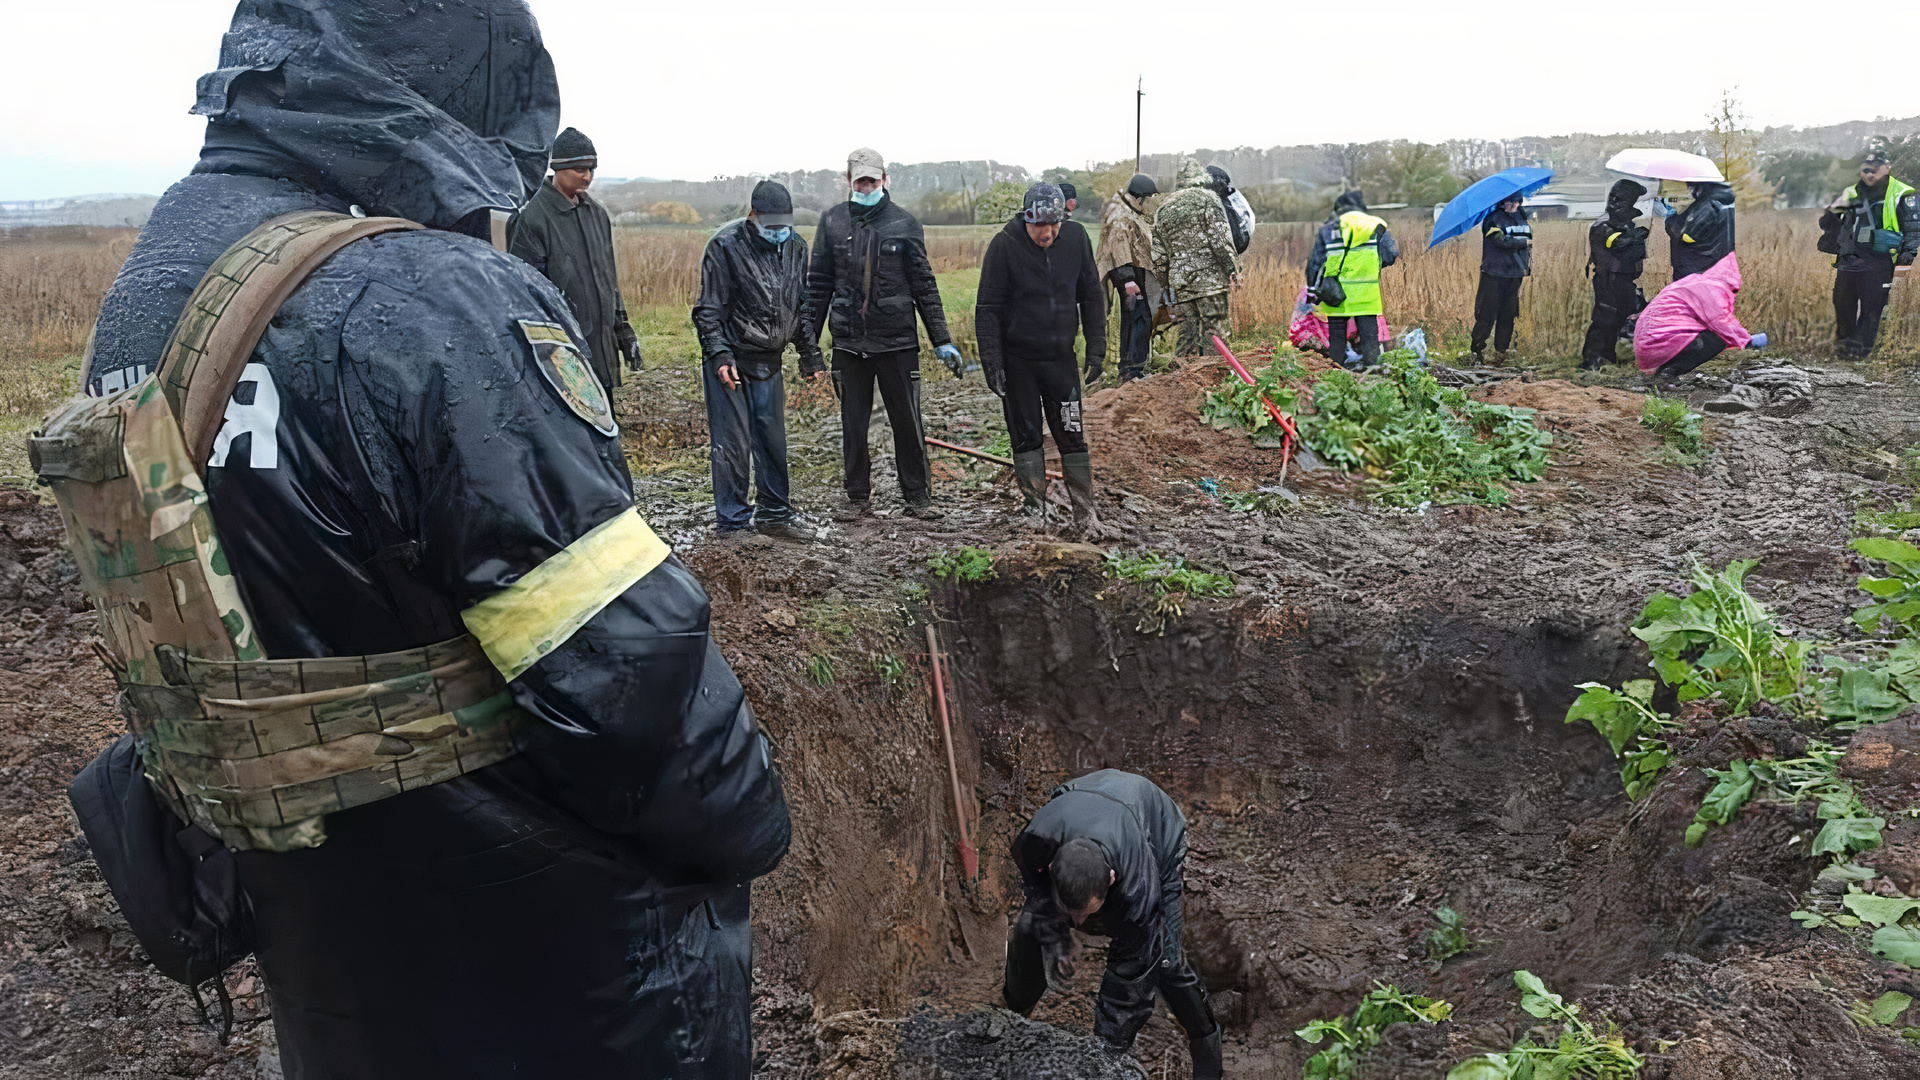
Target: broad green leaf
[(1883, 587), (1879, 910), (1849, 871), (1640, 690), (1611, 714), (1898, 944), (1902, 610), (1867, 616), (1554, 1068), (1845, 835), (1888, 550), (1484, 1067), (1888, 1007), (1809, 920)]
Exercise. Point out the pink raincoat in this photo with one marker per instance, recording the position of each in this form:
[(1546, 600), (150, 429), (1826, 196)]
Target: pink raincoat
[(1683, 309)]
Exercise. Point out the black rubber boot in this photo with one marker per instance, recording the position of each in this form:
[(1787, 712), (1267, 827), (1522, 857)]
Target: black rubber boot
[(1206, 1056), (1079, 470), (1030, 472)]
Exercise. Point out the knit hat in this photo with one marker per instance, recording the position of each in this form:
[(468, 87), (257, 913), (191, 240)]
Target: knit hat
[(772, 204), (572, 150)]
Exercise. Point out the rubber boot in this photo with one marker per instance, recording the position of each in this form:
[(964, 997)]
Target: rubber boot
[(1206, 1056), (1079, 470), (1030, 471)]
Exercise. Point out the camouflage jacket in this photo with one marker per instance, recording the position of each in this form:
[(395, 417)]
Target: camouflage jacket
[(1192, 243), (1126, 239)]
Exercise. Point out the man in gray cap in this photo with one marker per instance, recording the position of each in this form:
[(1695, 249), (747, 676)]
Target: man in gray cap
[(1037, 288), (1126, 261), (566, 235), (753, 304), (870, 274)]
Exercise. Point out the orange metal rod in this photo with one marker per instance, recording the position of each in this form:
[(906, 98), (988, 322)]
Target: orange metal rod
[(981, 454), (969, 858)]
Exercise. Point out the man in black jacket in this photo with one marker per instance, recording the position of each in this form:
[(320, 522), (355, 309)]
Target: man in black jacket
[(1702, 234), (870, 274), (1874, 228), (1617, 251), (417, 439), (1038, 286), (1107, 854), (566, 235), (1506, 258), (753, 304)]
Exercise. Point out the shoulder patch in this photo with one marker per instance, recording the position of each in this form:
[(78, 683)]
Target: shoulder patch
[(565, 370)]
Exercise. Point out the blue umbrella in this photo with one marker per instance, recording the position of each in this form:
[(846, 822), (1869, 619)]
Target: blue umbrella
[(1468, 207)]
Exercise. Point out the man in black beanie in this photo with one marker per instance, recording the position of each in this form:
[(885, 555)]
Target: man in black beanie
[(1617, 251), (567, 236)]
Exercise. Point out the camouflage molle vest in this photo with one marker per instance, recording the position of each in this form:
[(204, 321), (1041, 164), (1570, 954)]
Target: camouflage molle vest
[(254, 750)]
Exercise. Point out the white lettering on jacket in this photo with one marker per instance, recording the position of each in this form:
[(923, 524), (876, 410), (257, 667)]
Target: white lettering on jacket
[(260, 418)]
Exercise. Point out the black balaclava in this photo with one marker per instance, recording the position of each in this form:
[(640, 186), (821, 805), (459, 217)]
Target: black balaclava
[(429, 112), (1621, 198)]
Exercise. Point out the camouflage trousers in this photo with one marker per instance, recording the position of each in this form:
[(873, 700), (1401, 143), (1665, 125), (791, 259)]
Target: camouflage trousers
[(1199, 320)]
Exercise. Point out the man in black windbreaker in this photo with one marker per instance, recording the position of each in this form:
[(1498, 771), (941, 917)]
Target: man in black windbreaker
[(1617, 251), (403, 448), (870, 274), (1506, 258), (565, 233), (1702, 234), (1038, 286), (1872, 230), (753, 304), (1106, 854)]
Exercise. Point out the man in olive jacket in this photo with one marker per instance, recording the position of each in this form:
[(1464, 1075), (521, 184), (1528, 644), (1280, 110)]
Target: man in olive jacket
[(869, 275), (568, 237)]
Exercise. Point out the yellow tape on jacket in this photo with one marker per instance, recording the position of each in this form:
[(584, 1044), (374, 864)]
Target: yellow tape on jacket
[(533, 616)]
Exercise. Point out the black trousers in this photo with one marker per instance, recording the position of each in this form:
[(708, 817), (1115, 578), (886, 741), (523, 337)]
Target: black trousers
[(1859, 299), (1366, 328), (1495, 307), (1614, 301), (1136, 335), (1698, 351), (1043, 394), (898, 374)]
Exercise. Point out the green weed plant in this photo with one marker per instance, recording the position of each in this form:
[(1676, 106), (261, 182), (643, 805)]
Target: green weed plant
[(1579, 1051), (1677, 426), (1352, 1036), (967, 566), (1167, 574)]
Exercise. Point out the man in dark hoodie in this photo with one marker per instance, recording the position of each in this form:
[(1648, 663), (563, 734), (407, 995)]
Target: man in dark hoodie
[(869, 275), (1037, 288), (753, 304), (1702, 234), (1107, 854), (1874, 228), (564, 233), (416, 441), (1506, 258), (1616, 252)]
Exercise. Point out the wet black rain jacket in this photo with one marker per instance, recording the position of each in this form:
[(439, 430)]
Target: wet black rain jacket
[(870, 274), (1032, 300), (405, 459), (753, 301), (1615, 245), (1702, 234), (1506, 244)]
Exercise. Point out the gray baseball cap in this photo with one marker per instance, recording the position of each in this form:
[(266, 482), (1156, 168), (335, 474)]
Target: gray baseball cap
[(866, 164)]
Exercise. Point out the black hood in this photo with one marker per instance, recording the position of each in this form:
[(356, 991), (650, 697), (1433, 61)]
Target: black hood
[(1711, 192), (428, 112), (1350, 200), (1621, 198)]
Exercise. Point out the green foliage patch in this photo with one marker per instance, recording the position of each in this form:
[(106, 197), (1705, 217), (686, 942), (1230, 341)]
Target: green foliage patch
[(1167, 574), (1352, 1036), (967, 566), (1578, 1051), (1677, 426)]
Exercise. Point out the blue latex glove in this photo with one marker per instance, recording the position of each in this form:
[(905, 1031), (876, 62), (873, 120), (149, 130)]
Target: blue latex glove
[(950, 356), (1662, 208), (1757, 341)]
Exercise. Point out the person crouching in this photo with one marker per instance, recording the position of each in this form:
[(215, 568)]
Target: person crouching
[(1691, 322)]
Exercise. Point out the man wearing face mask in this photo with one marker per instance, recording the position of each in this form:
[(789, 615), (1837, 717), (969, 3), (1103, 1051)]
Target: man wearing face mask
[(490, 793), (1107, 854), (1037, 288), (1702, 234), (564, 233), (869, 276), (1872, 230), (753, 304)]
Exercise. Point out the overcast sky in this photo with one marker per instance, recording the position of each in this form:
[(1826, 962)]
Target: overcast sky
[(97, 91)]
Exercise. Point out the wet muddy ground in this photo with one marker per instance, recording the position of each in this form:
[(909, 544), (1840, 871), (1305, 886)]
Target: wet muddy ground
[(1368, 728)]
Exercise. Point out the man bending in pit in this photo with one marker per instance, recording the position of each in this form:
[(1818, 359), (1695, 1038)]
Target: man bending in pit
[(1106, 854)]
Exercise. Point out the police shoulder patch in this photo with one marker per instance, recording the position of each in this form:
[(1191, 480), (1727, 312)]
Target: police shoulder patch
[(565, 370)]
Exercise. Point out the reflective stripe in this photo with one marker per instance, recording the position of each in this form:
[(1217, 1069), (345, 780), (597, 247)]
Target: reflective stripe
[(537, 614)]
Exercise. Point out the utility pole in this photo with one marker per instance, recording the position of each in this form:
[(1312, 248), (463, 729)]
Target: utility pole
[(1138, 94)]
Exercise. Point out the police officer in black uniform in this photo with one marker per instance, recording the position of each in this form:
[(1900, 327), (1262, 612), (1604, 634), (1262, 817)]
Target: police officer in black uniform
[(1506, 258), (414, 443), (1616, 253), (1702, 234), (1871, 230)]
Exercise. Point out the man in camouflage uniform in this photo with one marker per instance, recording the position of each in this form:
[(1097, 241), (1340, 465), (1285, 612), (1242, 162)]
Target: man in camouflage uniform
[(1193, 257), (1126, 261)]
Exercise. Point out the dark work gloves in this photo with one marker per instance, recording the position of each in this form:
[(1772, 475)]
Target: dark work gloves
[(628, 343), (1095, 365)]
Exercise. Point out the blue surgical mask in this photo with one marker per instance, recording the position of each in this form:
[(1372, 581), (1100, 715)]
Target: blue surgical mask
[(869, 198), (775, 237)]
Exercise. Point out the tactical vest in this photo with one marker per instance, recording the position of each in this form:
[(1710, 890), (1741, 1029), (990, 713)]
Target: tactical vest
[(1886, 239), (253, 750), (1353, 256)]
